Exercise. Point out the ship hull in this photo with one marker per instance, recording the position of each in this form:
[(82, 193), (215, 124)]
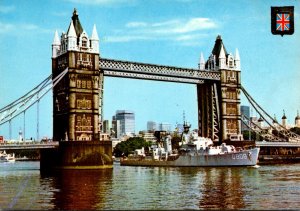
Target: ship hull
[(242, 158)]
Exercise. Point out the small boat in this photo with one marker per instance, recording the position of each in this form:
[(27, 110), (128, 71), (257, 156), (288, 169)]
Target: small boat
[(195, 151), (4, 157)]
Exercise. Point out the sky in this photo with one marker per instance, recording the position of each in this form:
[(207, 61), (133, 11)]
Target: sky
[(166, 32)]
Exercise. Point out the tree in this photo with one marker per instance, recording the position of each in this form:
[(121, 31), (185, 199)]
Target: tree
[(127, 147)]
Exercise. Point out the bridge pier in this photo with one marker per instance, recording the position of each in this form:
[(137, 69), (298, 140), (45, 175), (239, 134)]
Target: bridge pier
[(77, 155)]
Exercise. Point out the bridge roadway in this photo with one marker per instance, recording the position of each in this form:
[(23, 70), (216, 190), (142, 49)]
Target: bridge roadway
[(127, 69), (52, 144)]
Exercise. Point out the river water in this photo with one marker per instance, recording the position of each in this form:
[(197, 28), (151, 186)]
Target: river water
[(22, 187)]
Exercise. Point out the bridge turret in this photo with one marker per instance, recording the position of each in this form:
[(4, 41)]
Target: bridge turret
[(202, 62), (71, 37), (283, 119), (94, 41), (55, 45), (222, 58)]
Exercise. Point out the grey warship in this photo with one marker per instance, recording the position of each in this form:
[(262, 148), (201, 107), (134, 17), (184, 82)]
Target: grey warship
[(194, 151)]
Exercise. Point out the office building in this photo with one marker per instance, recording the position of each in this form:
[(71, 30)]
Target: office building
[(127, 121)]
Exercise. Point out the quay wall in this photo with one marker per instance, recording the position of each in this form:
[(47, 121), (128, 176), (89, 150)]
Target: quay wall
[(278, 155)]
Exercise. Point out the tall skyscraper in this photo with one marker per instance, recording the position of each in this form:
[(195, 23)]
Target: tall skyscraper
[(127, 121), (245, 110), (151, 126)]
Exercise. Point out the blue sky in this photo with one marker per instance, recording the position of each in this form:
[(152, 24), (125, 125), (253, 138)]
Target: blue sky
[(169, 32)]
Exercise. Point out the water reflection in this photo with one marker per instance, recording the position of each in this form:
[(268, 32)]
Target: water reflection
[(222, 189), (81, 189)]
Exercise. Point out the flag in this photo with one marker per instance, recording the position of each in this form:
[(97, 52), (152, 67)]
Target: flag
[(282, 20)]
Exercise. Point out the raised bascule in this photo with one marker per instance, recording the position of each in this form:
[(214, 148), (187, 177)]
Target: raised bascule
[(78, 97)]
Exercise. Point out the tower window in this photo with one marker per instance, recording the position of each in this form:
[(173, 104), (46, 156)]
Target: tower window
[(84, 42)]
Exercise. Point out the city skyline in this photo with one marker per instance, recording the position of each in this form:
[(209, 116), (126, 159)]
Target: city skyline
[(160, 32)]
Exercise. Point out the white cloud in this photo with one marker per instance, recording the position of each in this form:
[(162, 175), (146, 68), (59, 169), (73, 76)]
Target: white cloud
[(195, 24), (6, 9), (12, 29), (6, 28), (186, 31), (28, 26), (136, 24)]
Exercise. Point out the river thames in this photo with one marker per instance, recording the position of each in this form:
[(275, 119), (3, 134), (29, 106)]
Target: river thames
[(22, 187)]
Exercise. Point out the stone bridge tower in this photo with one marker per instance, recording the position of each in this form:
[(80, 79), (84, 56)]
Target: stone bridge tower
[(76, 98), (77, 102), (219, 102)]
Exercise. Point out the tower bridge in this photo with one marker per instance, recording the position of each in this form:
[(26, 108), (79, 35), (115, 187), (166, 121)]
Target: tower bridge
[(78, 74), (78, 97)]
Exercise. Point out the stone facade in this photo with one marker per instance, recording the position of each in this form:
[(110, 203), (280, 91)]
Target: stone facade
[(219, 102), (78, 96)]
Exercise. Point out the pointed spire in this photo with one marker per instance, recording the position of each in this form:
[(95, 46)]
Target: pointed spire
[(202, 62), (222, 53), (56, 40), (222, 58), (71, 31), (77, 24), (94, 34)]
